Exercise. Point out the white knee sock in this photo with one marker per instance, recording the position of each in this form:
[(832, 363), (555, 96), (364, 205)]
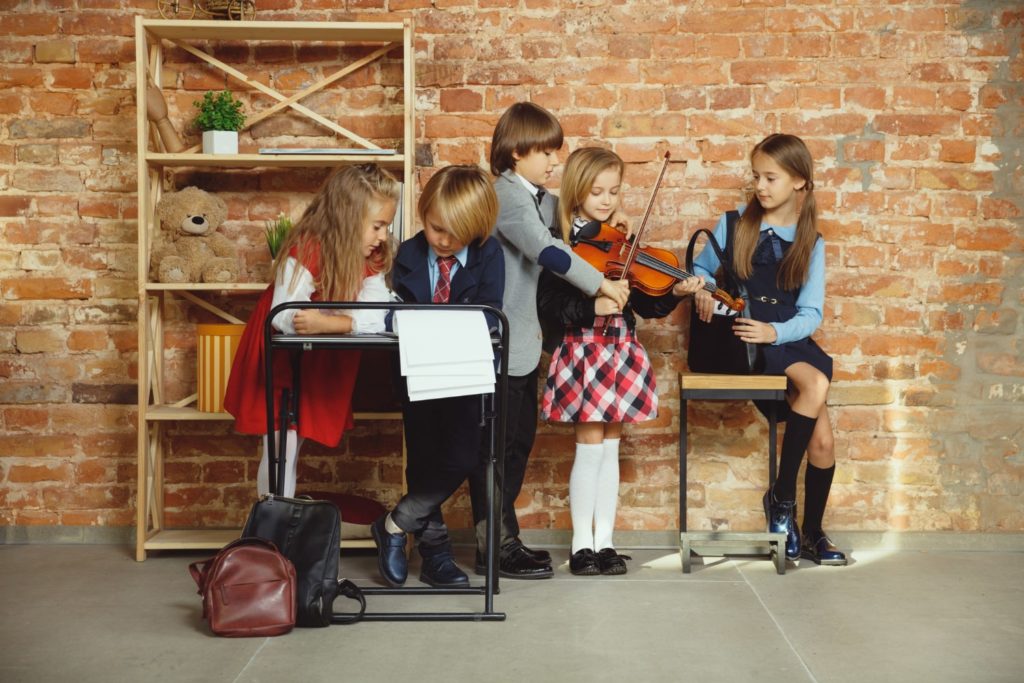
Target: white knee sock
[(292, 445), (582, 491), (607, 495)]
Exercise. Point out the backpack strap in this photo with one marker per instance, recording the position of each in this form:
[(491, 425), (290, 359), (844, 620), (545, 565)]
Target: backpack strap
[(353, 592)]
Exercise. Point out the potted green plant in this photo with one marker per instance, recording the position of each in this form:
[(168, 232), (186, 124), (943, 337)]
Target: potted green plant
[(220, 118), (276, 231)]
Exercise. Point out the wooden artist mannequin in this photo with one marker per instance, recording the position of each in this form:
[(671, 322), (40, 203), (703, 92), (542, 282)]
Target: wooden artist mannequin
[(156, 111)]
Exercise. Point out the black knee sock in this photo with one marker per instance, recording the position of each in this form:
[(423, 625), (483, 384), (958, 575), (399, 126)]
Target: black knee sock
[(817, 484), (798, 434)]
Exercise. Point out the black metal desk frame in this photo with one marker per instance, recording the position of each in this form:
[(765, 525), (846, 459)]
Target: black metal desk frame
[(718, 539), (494, 418)]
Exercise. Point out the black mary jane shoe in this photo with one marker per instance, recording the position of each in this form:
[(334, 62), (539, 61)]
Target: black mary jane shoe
[(584, 562), (820, 549), (781, 516), (611, 562)]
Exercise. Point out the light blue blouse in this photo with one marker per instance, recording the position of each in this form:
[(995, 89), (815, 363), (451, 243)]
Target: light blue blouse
[(809, 303)]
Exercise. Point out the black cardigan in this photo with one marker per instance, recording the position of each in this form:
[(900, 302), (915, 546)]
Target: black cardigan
[(560, 304)]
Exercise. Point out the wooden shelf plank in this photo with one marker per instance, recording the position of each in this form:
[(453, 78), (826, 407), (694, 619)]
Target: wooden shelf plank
[(215, 539), (327, 31), (205, 287), (167, 412), (161, 159), (699, 381)]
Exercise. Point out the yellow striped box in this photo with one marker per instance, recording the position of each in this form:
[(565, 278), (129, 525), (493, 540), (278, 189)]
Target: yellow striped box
[(215, 353)]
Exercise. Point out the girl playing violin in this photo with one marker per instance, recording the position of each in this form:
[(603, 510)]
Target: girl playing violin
[(778, 252), (600, 375)]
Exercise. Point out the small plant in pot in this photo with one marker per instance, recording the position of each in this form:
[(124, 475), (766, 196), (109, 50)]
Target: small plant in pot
[(276, 231), (220, 118)]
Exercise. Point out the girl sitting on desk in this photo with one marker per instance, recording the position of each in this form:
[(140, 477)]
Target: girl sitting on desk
[(450, 261), (338, 251)]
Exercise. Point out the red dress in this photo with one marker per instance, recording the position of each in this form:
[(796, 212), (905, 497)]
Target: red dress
[(328, 378)]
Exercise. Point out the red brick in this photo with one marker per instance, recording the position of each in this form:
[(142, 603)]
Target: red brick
[(957, 151), (461, 99)]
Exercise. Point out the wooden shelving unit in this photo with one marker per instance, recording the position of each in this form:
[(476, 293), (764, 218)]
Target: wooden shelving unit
[(152, 38)]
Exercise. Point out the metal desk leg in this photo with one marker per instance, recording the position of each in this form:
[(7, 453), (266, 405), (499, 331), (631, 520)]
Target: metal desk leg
[(684, 549)]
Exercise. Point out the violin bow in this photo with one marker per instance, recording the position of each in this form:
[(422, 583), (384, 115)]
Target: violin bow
[(631, 256)]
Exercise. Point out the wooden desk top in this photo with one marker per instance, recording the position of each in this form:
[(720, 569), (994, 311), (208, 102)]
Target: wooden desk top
[(736, 382)]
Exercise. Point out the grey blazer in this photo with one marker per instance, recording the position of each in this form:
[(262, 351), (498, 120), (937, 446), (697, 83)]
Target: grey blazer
[(523, 230)]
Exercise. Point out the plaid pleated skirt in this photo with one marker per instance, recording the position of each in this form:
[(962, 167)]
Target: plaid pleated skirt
[(600, 374)]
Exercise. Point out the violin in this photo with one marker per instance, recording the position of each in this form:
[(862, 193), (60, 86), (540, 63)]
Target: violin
[(652, 270)]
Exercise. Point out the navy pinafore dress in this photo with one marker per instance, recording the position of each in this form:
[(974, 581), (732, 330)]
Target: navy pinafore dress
[(771, 304)]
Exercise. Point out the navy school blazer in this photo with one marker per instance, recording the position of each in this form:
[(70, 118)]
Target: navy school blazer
[(480, 281)]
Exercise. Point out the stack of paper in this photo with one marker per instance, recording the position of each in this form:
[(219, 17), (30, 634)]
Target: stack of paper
[(445, 353)]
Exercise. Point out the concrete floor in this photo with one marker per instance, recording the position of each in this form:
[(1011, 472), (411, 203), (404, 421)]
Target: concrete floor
[(91, 613)]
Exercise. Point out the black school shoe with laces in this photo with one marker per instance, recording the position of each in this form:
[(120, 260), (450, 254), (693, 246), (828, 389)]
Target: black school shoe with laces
[(819, 549), (584, 562), (515, 562), (611, 563)]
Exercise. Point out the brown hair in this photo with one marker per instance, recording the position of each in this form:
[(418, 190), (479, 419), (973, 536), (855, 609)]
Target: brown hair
[(333, 221), (464, 198), (581, 170), (789, 152), (523, 128)]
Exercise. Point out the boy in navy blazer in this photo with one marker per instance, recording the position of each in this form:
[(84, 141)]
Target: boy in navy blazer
[(450, 261)]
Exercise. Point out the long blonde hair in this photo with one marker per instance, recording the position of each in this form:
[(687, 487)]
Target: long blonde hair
[(333, 222), (581, 170), (789, 152), (465, 201)]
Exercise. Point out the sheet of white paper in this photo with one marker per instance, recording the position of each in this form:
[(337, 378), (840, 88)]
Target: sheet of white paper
[(417, 383), (438, 336), (453, 391), (477, 368)]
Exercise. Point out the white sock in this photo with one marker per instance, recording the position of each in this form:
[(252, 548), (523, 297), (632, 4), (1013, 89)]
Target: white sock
[(292, 445), (607, 498), (582, 491), (391, 527)]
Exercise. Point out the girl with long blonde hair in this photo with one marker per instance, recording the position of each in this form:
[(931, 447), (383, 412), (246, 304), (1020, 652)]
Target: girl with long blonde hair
[(339, 250)]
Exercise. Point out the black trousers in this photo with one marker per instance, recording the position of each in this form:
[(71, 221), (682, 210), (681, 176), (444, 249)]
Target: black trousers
[(520, 432), (443, 438)]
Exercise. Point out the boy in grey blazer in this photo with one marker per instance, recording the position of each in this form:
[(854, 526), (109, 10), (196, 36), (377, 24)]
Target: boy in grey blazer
[(524, 152)]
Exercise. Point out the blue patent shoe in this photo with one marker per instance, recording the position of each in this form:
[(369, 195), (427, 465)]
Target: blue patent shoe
[(821, 550), (781, 516), (440, 571), (391, 560)]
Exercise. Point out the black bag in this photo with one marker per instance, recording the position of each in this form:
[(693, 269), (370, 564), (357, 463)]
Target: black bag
[(713, 347), (307, 532)]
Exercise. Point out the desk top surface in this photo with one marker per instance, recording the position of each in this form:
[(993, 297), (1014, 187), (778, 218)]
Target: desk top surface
[(735, 382)]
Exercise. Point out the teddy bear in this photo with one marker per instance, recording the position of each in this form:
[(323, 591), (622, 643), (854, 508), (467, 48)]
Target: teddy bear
[(188, 247)]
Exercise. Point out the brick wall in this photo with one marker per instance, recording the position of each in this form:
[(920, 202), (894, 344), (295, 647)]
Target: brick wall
[(912, 109)]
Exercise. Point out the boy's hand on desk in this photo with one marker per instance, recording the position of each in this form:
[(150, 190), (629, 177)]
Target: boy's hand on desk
[(311, 321)]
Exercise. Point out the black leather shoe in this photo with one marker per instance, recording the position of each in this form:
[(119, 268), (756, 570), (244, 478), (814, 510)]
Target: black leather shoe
[(515, 563), (539, 555), (611, 562), (819, 549), (583, 562), (781, 516), (391, 560), (440, 571)]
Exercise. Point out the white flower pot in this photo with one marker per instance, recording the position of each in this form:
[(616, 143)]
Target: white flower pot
[(220, 142)]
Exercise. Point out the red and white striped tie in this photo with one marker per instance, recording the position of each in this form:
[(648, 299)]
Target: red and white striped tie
[(443, 289)]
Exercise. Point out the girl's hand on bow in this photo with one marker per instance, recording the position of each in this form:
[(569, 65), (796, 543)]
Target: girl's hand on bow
[(754, 331), (616, 290)]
